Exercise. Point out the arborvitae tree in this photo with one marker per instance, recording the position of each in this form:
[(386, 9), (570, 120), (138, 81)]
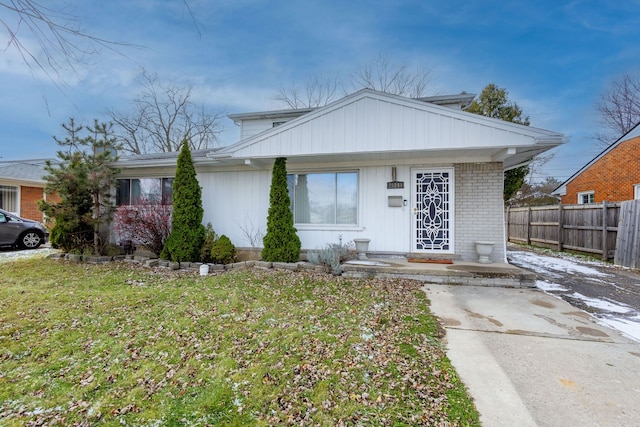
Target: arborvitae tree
[(187, 231), (82, 178), (281, 243)]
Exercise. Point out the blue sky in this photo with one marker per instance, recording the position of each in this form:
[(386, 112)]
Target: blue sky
[(554, 57)]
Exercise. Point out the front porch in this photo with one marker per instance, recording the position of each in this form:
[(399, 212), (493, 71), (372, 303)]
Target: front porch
[(455, 273)]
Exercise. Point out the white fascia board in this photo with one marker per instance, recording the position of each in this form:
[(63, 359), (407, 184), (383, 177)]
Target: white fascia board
[(504, 154)]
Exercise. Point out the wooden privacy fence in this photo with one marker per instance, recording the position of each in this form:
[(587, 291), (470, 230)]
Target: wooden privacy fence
[(628, 241), (591, 228)]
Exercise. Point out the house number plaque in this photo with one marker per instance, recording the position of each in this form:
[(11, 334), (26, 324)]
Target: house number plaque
[(395, 184)]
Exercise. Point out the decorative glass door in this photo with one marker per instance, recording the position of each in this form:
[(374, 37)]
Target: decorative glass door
[(432, 228)]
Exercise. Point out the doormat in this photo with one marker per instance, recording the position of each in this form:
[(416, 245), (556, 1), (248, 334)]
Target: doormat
[(431, 261)]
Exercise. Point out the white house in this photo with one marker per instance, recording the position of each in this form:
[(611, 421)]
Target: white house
[(415, 176)]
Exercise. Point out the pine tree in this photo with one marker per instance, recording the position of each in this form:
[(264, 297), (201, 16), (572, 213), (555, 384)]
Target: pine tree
[(102, 177), (494, 102), (184, 244), (82, 178), (281, 243)]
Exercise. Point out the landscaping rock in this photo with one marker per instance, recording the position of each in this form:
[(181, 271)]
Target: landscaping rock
[(97, 259), (263, 264), (236, 265), (306, 266), (286, 265)]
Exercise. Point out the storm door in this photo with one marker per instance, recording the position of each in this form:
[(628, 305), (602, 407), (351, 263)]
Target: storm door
[(433, 203)]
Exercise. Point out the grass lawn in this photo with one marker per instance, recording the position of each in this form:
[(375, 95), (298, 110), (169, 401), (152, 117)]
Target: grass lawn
[(120, 344)]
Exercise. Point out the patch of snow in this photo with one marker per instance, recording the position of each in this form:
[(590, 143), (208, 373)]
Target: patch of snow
[(629, 327), (541, 263), (611, 307), (371, 263), (366, 337), (550, 287), (12, 255)]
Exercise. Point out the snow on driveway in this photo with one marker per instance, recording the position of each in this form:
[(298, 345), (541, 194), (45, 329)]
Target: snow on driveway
[(542, 264), (555, 275)]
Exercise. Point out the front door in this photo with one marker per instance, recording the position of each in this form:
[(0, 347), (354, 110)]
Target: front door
[(433, 203)]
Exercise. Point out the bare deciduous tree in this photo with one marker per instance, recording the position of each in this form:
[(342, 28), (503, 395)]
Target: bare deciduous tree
[(384, 75), (51, 39), (162, 116), (619, 107), (317, 92), (59, 41), (380, 74)]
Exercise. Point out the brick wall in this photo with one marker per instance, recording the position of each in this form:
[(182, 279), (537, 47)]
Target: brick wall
[(479, 209), (29, 197), (611, 177)]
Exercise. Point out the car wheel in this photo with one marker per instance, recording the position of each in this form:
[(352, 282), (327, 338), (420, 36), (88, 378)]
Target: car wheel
[(30, 240)]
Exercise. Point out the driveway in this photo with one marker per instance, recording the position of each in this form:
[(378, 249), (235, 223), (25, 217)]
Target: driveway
[(609, 293), (531, 359)]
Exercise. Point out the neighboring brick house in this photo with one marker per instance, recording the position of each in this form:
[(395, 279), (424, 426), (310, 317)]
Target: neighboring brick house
[(21, 186), (612, 176)]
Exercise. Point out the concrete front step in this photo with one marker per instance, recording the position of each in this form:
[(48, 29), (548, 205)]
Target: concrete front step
[(458, 273)]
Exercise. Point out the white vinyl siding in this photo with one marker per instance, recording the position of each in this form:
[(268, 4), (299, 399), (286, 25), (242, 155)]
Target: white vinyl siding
[(369, 124)]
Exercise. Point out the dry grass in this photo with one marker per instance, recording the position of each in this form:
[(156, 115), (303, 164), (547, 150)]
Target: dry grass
[(121, 344)]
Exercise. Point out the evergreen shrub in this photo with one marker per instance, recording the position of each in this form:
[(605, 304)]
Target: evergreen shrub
[(223, 251), (184, 244), (209, 239), (281, 243)]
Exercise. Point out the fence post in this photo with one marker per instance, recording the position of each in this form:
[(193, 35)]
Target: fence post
[(560, 226), (508, 222), (529, 225), (605, 245)]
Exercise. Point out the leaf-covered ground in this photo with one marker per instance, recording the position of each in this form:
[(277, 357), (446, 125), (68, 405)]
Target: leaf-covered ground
[(124, 345)]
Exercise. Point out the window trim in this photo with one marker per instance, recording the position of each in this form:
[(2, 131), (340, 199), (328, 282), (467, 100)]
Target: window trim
[(130, 179), (334, 226), (586, 193), (636, 192), (17, 196)]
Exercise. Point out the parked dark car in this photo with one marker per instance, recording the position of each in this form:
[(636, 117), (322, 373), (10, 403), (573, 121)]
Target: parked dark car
[(21, 233)]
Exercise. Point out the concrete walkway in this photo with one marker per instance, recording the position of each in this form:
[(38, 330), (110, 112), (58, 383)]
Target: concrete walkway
[(529, 359)]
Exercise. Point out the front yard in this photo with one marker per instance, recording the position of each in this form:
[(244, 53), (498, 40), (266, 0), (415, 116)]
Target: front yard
[(120, 344)]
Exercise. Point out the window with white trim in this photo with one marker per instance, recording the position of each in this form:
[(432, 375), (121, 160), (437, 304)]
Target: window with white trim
[(636, 191), (585, 197), (9, 198), (138, 191), (329, 198)]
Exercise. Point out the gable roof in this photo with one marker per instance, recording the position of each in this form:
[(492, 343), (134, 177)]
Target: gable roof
[(372, 125), (634, 132)]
